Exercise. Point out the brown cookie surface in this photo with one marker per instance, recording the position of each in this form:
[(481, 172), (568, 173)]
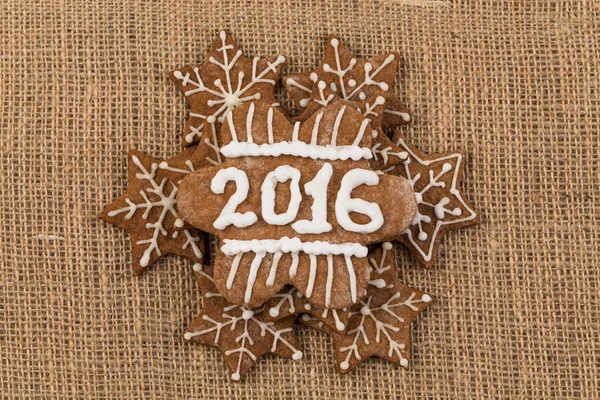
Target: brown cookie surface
[(148, 209)]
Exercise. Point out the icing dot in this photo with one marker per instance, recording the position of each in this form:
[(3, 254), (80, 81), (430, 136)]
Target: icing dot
[(422, 236), (289, 81), (232, 100), (362, 96), (187, 336), (426, 298), (368, 67), (384, 86), (211, 119), (334, 42), (365, 310), (297, 355), (351, 83), (447, 167), (332, 86), (374, 134), (235, 376), (380, 100), (273, 312), (457, 211), (322, 84), (197, 267), (307, 307), (299, 295), (344, 365), (163, 165), (247, 314), (313, 77), (179, 223), (304, 102), (305, 317), (178, 74), (387, 246), (404, 362)]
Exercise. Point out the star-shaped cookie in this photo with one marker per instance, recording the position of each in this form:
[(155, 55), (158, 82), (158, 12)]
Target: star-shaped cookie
[(147, 210), (242, 334), (435, 180), (295, 204), (352, 79), (214, 88), (379, 324)]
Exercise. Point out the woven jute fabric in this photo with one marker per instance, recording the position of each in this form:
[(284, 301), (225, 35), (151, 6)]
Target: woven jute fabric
[(516, 83)]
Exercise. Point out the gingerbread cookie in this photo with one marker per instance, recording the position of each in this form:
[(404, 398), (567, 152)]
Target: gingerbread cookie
[(147, 210), (217, 86), (241, 334), (310, 232), (352, 79), (379, 324), (385, 153), (435, 180)]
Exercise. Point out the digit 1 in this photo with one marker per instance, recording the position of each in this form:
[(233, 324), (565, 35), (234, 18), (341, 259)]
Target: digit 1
[(317, 189)]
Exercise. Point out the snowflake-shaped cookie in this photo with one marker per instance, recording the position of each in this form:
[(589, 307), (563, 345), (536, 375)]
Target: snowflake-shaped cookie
[(295, 204), (435, 180), (351, 78), (379, 324), (148, 209), (241, 334), (217, 86)]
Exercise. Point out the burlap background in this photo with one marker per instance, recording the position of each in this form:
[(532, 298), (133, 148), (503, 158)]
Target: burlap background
[(517, 83)]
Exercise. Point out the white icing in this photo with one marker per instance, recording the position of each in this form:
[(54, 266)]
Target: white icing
[(405, 117), (296, 148), (166, 203), (344, 204), (233, 247), (317, 188), (439, 209), (282, 174), (228, 214)]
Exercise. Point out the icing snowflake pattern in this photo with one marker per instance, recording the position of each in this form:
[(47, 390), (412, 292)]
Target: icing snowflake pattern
[(433, 177), (150, 205), (216, 87), (242, 334)]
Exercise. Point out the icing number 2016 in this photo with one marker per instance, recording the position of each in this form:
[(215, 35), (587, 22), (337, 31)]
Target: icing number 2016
[(316, 188)]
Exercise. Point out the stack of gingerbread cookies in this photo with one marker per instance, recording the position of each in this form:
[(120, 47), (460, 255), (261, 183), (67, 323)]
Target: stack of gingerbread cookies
[(302, 209)]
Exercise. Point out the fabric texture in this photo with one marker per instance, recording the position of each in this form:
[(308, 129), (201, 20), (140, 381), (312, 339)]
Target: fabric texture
[(516, 83)]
